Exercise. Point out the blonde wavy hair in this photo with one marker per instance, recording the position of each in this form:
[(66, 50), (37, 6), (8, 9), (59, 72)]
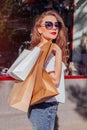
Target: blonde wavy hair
[(61, 39)]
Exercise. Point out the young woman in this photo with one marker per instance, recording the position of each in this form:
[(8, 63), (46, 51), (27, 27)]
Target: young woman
[(49, 27)]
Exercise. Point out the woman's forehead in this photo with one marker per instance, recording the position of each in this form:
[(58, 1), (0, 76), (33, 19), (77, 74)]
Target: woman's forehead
[(49, 18)]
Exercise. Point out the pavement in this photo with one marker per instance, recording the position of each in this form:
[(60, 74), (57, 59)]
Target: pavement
[(72, 115)]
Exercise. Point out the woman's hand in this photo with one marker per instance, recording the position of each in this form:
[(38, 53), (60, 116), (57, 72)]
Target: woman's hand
[(56, 49)]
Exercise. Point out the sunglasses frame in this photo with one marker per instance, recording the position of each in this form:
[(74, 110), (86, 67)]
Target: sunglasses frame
[(49, 25)]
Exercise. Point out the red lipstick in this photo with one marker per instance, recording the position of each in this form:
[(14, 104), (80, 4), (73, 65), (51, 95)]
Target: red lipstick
[(54, 33)]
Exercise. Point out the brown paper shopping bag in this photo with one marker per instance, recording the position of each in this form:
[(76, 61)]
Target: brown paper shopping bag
[(43, 90), (43, 87), (37, 87), (21, 92)]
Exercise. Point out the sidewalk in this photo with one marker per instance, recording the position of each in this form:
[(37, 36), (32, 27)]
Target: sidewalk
[(69, 116)]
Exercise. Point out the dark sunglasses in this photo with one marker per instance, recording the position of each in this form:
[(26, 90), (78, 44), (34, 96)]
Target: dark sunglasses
[(49, 25)]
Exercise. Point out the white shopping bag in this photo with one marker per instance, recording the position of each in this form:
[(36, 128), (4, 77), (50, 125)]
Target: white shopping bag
[(24, 63)]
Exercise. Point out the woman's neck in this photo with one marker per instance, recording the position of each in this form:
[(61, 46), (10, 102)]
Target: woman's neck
[(43, 41)]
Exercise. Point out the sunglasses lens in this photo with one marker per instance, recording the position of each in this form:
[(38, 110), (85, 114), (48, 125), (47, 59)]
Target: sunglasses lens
[(58, 24), (48, 25)]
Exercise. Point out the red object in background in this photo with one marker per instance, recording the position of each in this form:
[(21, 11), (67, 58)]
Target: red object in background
[(4, 78), (30, 1)]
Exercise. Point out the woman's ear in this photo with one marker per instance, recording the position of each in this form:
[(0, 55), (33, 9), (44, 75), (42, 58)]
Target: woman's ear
[(39, 30)]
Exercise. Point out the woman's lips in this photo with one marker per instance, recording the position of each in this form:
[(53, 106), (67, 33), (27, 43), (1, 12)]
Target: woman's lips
[(53, 33)]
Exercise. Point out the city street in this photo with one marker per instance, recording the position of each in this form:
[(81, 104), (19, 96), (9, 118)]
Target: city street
[(16, 34)]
